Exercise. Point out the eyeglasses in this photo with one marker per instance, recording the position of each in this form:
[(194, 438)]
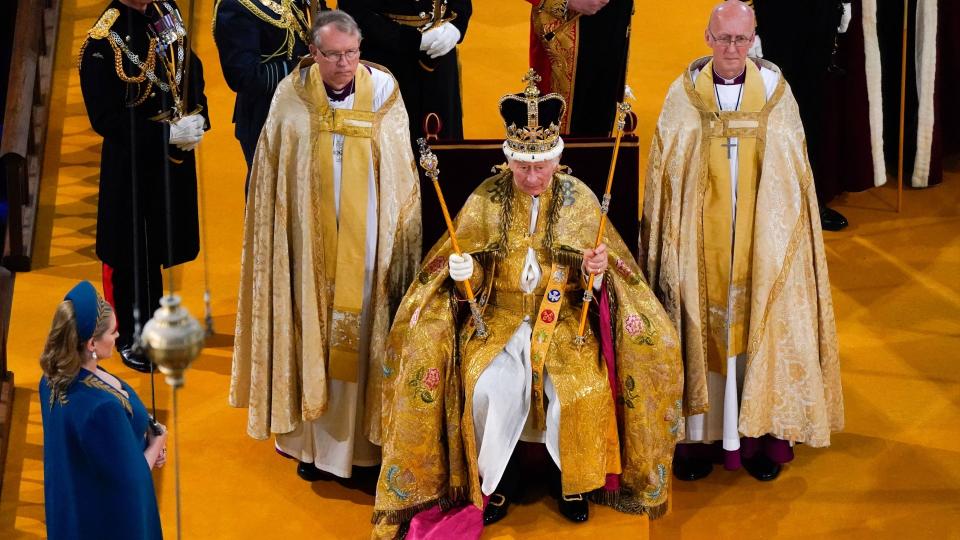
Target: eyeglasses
[(335, 56), (737, 41)]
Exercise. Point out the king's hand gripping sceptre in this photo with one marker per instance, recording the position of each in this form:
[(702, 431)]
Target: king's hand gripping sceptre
[(430, 165), (621, 122)]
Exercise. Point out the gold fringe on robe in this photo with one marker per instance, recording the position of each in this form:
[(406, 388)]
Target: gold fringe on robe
[(429, 450)]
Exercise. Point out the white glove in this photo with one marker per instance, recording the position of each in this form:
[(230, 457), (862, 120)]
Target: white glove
[(445, 40), (427, 39), (756, 51), (845, 18), (461, 268), (186, 133)]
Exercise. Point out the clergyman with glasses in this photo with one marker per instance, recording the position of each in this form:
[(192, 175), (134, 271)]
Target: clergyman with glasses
[(331, 241), (733, 248)]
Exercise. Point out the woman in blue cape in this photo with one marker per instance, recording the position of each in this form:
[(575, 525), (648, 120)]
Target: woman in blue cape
[(98, 442)]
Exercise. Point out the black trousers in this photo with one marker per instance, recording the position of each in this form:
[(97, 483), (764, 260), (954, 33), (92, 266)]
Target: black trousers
[(127, 309)]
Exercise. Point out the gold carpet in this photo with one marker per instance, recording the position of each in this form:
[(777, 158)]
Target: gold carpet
[(894, 472)]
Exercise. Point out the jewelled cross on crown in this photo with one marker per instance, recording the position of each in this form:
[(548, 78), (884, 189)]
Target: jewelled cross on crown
[(531, 92)]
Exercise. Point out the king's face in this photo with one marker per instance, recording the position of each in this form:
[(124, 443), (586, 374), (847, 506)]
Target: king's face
[(533, 178)]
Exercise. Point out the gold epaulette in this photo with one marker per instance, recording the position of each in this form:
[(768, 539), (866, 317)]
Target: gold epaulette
[(101, 29), (289, 17)]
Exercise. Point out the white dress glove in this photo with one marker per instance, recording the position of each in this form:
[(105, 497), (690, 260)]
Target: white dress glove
[(756, 51), (445, 40), (186, 133), (427, 39), (461, 267), (845, 18)]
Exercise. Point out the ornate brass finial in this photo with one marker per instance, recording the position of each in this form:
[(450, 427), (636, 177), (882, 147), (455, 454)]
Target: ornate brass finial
[(172, 339), (623, 109), (428, 160)]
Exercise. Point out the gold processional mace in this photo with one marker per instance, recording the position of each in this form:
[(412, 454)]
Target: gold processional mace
[(621, 122), (172, 338), (430, 165)]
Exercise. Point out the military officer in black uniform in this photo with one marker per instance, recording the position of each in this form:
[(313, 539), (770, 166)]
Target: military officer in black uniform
[(260, 42), (149, 107), (416, 40)]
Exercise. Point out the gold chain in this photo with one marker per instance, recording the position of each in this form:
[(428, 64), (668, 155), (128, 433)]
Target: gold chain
[(292, 19), (147, 66)]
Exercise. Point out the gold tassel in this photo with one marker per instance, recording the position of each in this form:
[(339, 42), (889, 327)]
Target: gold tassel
[(455, 496), (568, 256), (402, 515), (623, 500), (658, 511)]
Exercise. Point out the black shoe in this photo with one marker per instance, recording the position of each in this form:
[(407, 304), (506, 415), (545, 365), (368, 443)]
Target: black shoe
[(690, 469), (574, 507), (136, 361), (762, 468), (831, 220), (496, 508), (309, 472)]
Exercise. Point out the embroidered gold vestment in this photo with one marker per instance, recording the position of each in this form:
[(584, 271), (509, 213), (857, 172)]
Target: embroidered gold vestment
[(791, 388), (283, 331), (434, 360)]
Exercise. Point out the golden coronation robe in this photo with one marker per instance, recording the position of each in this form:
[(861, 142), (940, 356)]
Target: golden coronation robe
[(283, 332), (791, 385), (434, 360)]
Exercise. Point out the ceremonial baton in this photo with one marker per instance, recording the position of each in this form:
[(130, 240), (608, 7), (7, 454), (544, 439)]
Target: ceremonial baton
[(430, 165), (621, 122)]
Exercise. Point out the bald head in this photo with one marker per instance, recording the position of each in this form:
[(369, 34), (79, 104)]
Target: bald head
[(730, 33), (732, 11)]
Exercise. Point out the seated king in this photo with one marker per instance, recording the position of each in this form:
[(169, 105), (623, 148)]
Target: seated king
[(459, 396)]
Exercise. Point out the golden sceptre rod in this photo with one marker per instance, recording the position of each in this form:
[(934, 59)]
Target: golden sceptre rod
[(621, 122), (430, 165)]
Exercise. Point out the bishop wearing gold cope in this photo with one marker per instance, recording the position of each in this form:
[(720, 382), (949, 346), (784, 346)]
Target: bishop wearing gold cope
[(733, 248), (331, 240), (608, 410)]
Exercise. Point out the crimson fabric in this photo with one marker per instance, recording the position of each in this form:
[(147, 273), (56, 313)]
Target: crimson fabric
[(108, 285), (601, 68)]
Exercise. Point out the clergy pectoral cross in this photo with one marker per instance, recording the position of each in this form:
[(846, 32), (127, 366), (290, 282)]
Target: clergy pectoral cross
[(730, 145)]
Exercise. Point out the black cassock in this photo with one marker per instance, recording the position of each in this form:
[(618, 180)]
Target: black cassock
[(257, 50), (427, 85), (799, 38), (601, 69), (136, 153)]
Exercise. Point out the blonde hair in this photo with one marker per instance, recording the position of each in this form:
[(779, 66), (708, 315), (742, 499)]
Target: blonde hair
[(64, 352)]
